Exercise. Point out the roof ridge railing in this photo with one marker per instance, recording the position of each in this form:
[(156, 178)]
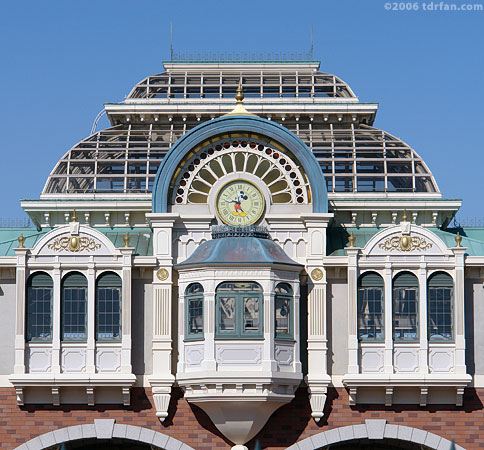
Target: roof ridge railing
[(242, 57), (222, 231)]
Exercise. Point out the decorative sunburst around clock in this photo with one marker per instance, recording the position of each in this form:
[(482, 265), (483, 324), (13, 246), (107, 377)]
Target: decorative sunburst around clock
[(240, 202)]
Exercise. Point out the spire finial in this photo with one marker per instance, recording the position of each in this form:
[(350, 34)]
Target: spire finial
[(21, 241), (239, 95), (74, 216), (458, 239), (126, 239), (239, 107), (352, 240), (404, 218)]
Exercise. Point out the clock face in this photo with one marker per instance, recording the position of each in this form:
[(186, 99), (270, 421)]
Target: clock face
[(240, 203)]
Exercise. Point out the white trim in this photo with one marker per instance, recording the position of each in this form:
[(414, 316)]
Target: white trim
[(104, 429), (374, 429)]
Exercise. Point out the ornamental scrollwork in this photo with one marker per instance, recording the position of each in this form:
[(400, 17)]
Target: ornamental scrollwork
[(74, 244), (405, 243)]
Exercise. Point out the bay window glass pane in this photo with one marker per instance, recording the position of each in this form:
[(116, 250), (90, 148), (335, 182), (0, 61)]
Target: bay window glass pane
[(405, 313), (251, 314), (74, 313), (39, 313), (195, 316), (370, 313), (283, 311), (226, 315), (108, 317), (440, 313)]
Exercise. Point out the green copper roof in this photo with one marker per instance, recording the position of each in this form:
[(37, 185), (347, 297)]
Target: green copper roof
[(141, 239), (472, 238)]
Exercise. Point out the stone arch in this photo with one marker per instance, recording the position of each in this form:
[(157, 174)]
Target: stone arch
[(103, 429), (236, 123), (374, 429)]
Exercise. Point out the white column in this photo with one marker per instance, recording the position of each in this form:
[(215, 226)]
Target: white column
[(388, 355), (296, 326), (422, 313), (91, 320), (353, 365), (162, 378), (459, 326), (269, 359), (56, 320), (21, 254), (209, 315), (127, 255)]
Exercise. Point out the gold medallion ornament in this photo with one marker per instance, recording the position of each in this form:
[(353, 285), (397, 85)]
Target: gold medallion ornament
[(240, 202), (74, 244), (317, 274), (162, 274), (405, 243)]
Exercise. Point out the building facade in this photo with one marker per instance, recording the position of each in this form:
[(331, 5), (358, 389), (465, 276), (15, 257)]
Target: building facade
[(266, 272)]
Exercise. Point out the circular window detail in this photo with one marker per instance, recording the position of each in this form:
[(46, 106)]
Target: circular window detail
[(277, 170)]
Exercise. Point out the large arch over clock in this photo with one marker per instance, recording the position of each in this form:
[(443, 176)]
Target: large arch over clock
[(270, 137)]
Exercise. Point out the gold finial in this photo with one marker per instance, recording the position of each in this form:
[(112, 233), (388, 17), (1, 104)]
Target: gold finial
[(21, 241), (74, 217), (126, 239), (239, 108), (458, 239), (404, 218), (352, 240), (239, 96)]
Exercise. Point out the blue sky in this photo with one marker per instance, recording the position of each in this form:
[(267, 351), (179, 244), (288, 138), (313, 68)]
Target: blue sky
[(61, 60)]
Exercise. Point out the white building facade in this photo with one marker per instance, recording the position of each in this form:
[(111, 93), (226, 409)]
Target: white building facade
[(238, 257)]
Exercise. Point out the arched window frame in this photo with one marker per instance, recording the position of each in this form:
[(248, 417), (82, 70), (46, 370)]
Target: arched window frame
[(194, 310), (239, 317), (74, 284), (38, 317), (405, 305), (371, 296), (109, 287), (284, 301), (440, 307)]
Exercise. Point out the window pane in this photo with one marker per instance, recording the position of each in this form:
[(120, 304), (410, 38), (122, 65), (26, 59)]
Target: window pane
[(440, 312), (227, 315), (39, 313), (283, 312), (108, 314), (251, 314), (195, 316), (405, 313), (74, 313), (370, 313)]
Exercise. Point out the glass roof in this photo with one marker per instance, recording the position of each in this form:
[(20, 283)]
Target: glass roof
[(256, 83), (354, 158)]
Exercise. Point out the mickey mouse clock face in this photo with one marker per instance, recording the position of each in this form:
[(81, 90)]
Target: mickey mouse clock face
[(240, 203)]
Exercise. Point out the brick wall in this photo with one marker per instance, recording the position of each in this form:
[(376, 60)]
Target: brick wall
[(289, 424)]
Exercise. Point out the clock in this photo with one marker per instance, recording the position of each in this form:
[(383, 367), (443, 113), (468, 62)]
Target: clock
[(240, 202)]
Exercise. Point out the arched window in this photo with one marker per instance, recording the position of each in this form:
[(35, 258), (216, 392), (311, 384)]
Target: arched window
[(108, 307), (440, 298), (405, 307), (283, 311), (74, 307), (239, 310), (194, 311), (39, 307), (370, 307)]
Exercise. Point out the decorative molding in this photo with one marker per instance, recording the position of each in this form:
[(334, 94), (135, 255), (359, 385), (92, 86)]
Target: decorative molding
[(388, 396), (126, 395), (162, 274), (405, 244), (74, 244), (90, 395), (317, 274), (353, 393), (161, 397), (424, 391), (317, 402), (19, 392)]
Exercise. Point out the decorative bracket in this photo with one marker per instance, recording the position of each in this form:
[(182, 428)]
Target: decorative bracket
[(126, 395), (353, 395), (388, 396), (161, 397), (459, 398), (55, 395), (317, 399), (423, 396), (19, 392), (90, 395)]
